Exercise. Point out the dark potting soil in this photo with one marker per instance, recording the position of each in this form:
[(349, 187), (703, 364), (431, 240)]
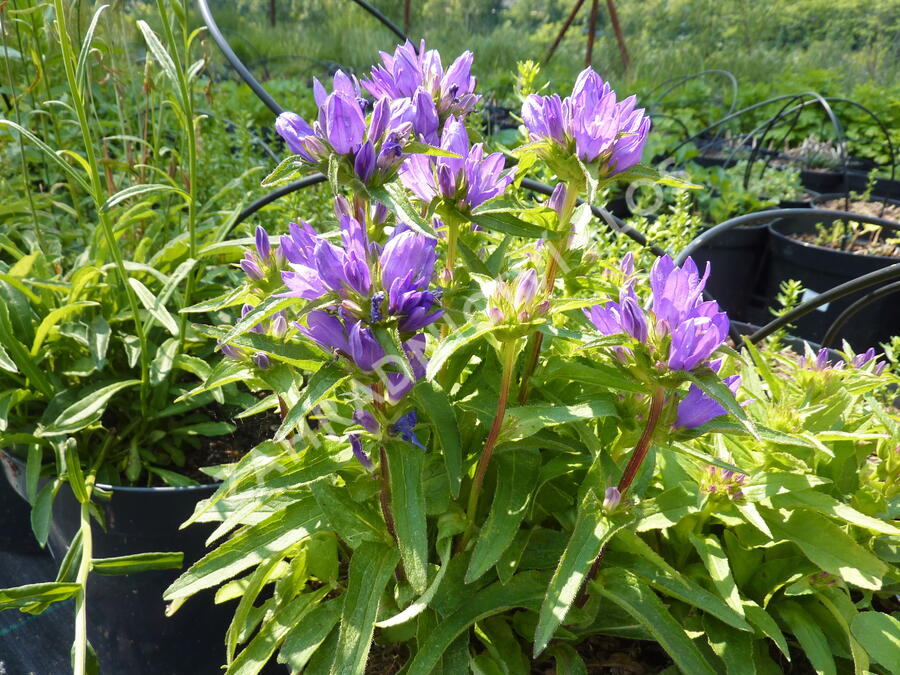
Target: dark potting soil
[(885, 244), (214, 450)]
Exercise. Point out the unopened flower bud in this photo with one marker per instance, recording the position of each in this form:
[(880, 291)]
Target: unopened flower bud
[(279, 325), (495, 314), (231, 352), (526, 289), (611, 498), (366, 420), (251, 269), (263, 249), (262, 360), (342, 206), (558, 199)]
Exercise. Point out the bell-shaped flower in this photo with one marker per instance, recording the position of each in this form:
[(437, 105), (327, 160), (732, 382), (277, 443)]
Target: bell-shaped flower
[(696, 338), (466, 181), (696, 408), (590, 124), (677, 291), (407, 71), (625, 316)]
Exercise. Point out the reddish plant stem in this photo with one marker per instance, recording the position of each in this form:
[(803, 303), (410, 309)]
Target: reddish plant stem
[(657, 401), (509, 357), (385, 495)]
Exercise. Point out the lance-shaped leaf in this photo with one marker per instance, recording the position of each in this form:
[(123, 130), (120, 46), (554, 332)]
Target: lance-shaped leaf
[(321, 384)]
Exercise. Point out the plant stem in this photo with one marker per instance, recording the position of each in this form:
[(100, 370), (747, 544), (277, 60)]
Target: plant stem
[(557, 250), (97, 194), (385, 495), (657, 401), (510, 347), (79, 657)]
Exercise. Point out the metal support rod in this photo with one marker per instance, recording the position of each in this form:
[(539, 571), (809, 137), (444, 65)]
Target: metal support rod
[(592, 32), (563, 30), (620, 37)]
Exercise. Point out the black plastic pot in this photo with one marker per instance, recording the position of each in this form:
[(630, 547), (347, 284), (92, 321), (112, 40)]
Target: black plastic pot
[(128, 627), (819, 268), (819, 201), (15, 522), (858, 180), (736, 259)]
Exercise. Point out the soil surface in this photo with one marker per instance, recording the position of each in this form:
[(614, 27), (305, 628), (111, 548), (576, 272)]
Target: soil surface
[(248, 433)]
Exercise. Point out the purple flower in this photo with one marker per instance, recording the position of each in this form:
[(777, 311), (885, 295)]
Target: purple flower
[(366, 420), (406, 72), (359, 453), (405, 428), (262, 360), (558, 199), (251, 267), (625, 316), (696, 409), (695, 339), (373, 148), (466, 181), (263, 249), (355, 274), (611, 498), (590, 123), (821, 362), (677, 292)]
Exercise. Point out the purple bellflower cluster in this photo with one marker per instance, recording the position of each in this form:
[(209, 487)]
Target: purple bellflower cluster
[(590, 124), (466, 181), (409, 72), (681, 330), (373, 147), (364, 281), (822, 361)]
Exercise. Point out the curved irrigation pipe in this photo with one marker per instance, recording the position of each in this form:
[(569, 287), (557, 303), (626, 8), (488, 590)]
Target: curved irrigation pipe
[(855, 308)]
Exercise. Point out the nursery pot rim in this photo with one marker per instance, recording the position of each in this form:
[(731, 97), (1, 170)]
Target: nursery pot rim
[(773, 230)]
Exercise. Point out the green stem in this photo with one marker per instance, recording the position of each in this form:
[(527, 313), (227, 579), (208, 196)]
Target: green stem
[(79, 657), (97, 194), (557, 250), (508, 356), (385, 493)]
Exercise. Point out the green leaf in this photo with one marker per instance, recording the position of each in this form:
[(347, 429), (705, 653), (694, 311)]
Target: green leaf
[(457, 340), (54, 317), (773, 483), (625, 590), (716, 562), (408, 505), (828, 546), (51, 154), (162, 56), (273, 631), (371, 567), (591, 531), (141, 189), (523, 590), (517, 476), (711, 384), (87, 409), (20, 355), (734, 647), (879, 634), (811, 638), (286, 169), (137, 562), (324, 381), (598, 374), (507, 223), (155, 306), (304, 638), (831, 506), (23, 596), (395, 197), (355, 523), (249, 547), (86, 47), (526, 421), (42, 510), (433, 402)]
